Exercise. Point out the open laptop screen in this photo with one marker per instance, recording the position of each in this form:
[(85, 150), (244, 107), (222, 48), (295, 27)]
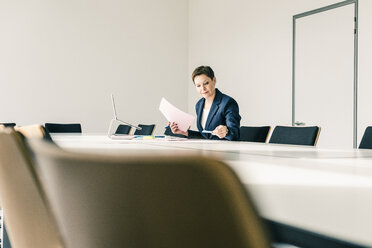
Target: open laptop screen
[(113, 106)]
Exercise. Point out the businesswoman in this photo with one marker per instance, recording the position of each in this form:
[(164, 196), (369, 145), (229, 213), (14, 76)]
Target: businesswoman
[(217, 114)]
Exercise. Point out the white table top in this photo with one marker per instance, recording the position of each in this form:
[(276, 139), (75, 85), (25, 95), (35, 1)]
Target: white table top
[(324, 191)]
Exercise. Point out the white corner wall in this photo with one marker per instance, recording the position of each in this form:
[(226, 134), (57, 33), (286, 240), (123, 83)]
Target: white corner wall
[(60, 60)]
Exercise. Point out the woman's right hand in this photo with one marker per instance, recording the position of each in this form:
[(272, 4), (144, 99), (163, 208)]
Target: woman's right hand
[(174, 127)]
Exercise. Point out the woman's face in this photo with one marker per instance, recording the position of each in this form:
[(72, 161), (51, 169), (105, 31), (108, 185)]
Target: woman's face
[(205, 85)]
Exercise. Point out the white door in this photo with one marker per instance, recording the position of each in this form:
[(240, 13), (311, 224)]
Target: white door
[(324, 85)]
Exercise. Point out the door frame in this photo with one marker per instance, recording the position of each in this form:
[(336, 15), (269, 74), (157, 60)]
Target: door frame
[(316, 11)]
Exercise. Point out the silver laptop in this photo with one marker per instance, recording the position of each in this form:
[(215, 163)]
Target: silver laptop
[(115, 122), (113, 106)]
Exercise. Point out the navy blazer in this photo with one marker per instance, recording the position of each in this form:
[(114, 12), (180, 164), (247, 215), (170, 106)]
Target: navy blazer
[(224, 111)]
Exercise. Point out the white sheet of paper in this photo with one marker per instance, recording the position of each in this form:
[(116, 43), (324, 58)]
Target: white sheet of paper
[(173, 114)]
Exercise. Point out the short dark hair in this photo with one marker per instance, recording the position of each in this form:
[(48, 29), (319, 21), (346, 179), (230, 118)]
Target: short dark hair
[(203, 70)]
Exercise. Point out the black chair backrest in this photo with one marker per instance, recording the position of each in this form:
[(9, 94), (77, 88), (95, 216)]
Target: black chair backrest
[(123, 129), (254, 134), (146, 129), (8, 124), (307, 136), (366, 142), (169, 132), (63, 128)]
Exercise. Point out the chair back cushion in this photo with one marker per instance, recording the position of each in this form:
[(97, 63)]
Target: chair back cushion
[(366, 142), (123, 129), (254, 134), (295, 135), (63, 128), (8, 124), (169, 132), (146, 129)]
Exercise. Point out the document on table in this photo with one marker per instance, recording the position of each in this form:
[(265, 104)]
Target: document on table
[(173, 114)]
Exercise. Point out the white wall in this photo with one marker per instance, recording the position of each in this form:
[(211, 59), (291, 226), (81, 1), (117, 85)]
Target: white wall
[(60, 60), (249, 45)]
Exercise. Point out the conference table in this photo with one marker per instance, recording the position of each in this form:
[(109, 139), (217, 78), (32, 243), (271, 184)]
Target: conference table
[(308, 196)]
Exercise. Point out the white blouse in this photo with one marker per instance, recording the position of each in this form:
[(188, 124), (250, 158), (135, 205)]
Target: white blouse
[(204, 117)]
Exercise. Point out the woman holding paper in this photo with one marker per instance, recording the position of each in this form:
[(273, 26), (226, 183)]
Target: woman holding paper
[(217, 114)]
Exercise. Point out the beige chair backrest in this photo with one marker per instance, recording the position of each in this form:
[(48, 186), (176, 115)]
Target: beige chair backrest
[(131, 201), (34, 131), (28, 220)]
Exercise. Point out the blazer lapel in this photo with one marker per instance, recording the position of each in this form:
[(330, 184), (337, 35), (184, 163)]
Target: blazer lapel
[(199, 112), (214, 108)]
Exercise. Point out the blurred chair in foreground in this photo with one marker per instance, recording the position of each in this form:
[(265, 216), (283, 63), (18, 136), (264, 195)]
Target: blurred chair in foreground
[(147, 201), (254, 134), (146, 129), (63, 128), (366, 142), (29, 222), (307, 136)]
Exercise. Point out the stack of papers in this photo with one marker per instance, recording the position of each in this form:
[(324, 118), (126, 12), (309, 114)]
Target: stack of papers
[(173, 114)]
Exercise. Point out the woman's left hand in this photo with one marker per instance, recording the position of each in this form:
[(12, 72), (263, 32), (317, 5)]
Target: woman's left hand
[(220, 131)]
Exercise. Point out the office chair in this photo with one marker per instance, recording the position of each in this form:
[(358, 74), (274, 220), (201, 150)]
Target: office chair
[(34, 131), (29, 222), (366, 142), (307, 136), (169, 132), (254, 134), (63, 128), (146, 129), (147, 201), (123, 129), (8, 124)]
